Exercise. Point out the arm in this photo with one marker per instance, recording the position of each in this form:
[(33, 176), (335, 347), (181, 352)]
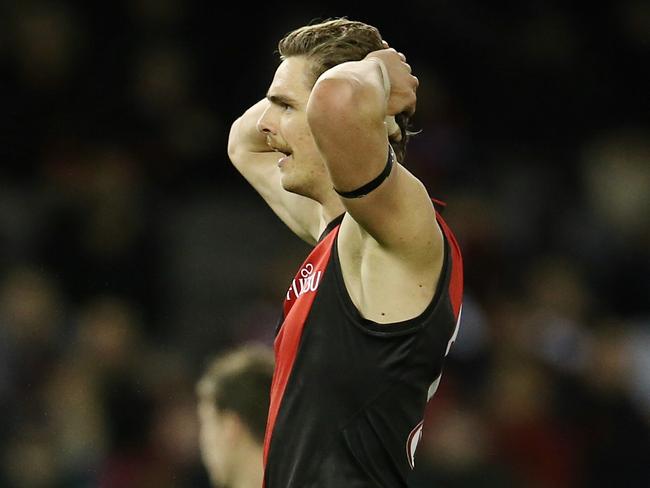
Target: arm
[(346, 113), (257, 162)]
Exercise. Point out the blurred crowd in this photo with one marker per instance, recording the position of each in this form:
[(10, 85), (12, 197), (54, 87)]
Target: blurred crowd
[(131, 252)]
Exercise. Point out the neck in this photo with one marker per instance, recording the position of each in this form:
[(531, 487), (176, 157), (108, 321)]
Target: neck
[(250, 472), (331, 207)]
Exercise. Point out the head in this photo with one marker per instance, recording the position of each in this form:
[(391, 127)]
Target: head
[(233, 405), (305, 54)]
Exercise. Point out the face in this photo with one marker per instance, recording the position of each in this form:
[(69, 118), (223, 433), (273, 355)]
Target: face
[(214, 440), (285, 125)]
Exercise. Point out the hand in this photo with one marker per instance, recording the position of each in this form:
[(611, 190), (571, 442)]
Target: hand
[(393, 131), (403, 85)]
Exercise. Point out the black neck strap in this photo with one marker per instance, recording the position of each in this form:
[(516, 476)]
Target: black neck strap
[(368, 187)]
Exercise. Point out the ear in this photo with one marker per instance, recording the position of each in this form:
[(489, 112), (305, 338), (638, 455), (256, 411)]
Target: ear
[(233, 426)]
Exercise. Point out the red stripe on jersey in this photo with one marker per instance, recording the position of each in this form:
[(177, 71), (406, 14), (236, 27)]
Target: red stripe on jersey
[(297, 305), (456, 280)]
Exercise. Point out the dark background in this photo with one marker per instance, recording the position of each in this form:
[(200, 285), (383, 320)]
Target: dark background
[(131, 251)]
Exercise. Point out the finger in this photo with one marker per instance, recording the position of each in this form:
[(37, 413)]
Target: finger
[(385, 44), (392, 129), (402, 56)]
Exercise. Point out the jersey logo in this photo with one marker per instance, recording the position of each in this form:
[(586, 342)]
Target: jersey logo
[(307, 281), (287, 341), (412, 443)]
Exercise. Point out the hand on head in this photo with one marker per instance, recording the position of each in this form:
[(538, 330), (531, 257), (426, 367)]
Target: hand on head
[(393, 131), (403, 85)]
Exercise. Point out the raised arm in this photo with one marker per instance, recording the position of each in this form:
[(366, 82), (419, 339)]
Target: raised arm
[(257, 162), (346, 112)]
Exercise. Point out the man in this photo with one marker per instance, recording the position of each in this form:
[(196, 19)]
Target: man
[(233, 405), (374, 308)]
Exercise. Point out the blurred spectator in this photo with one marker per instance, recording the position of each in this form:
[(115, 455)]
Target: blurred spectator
[(531, 440), (458, 452), (615, 435), (47, 40), (234, 394)]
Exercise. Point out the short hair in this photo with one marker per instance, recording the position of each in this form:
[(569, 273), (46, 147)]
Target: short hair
[(240, 381), (335, 41)]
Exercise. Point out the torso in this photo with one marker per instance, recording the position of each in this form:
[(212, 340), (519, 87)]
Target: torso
[(348, 394)]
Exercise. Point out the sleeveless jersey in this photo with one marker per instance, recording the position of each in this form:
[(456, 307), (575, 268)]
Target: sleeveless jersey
[(348, 395)]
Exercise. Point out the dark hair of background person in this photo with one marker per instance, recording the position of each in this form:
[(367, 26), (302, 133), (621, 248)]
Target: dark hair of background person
[(240, 381)]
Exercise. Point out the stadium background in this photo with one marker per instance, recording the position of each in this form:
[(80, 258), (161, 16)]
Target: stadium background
[(131, 251)]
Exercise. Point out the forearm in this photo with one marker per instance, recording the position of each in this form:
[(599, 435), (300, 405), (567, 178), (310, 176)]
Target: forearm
[(361, 85), (346, 113)]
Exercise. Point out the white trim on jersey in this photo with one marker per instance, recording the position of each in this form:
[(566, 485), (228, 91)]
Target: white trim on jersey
[(455, 334), (433, 387)]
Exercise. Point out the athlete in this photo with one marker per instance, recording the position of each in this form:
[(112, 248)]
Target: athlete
[(233, 405), (374, 308)]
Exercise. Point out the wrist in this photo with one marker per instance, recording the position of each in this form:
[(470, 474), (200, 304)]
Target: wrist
[(384, 75)]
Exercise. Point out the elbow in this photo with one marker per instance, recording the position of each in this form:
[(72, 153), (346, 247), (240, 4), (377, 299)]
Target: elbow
[(234, 144), (333, 99), (329, 99)]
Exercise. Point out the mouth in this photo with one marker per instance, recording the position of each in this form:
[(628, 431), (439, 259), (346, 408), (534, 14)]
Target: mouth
[(283, 160), (285, 154)]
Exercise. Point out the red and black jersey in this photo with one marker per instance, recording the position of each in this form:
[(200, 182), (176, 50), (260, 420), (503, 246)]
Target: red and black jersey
[(348, 394)]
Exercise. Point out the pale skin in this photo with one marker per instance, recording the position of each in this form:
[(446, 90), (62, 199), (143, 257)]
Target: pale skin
[(300, 142), (230, 453)]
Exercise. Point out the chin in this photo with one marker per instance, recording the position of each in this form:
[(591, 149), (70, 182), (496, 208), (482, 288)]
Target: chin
[(289, 183)]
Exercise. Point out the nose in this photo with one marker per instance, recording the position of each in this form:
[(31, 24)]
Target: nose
[(265, 123)]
